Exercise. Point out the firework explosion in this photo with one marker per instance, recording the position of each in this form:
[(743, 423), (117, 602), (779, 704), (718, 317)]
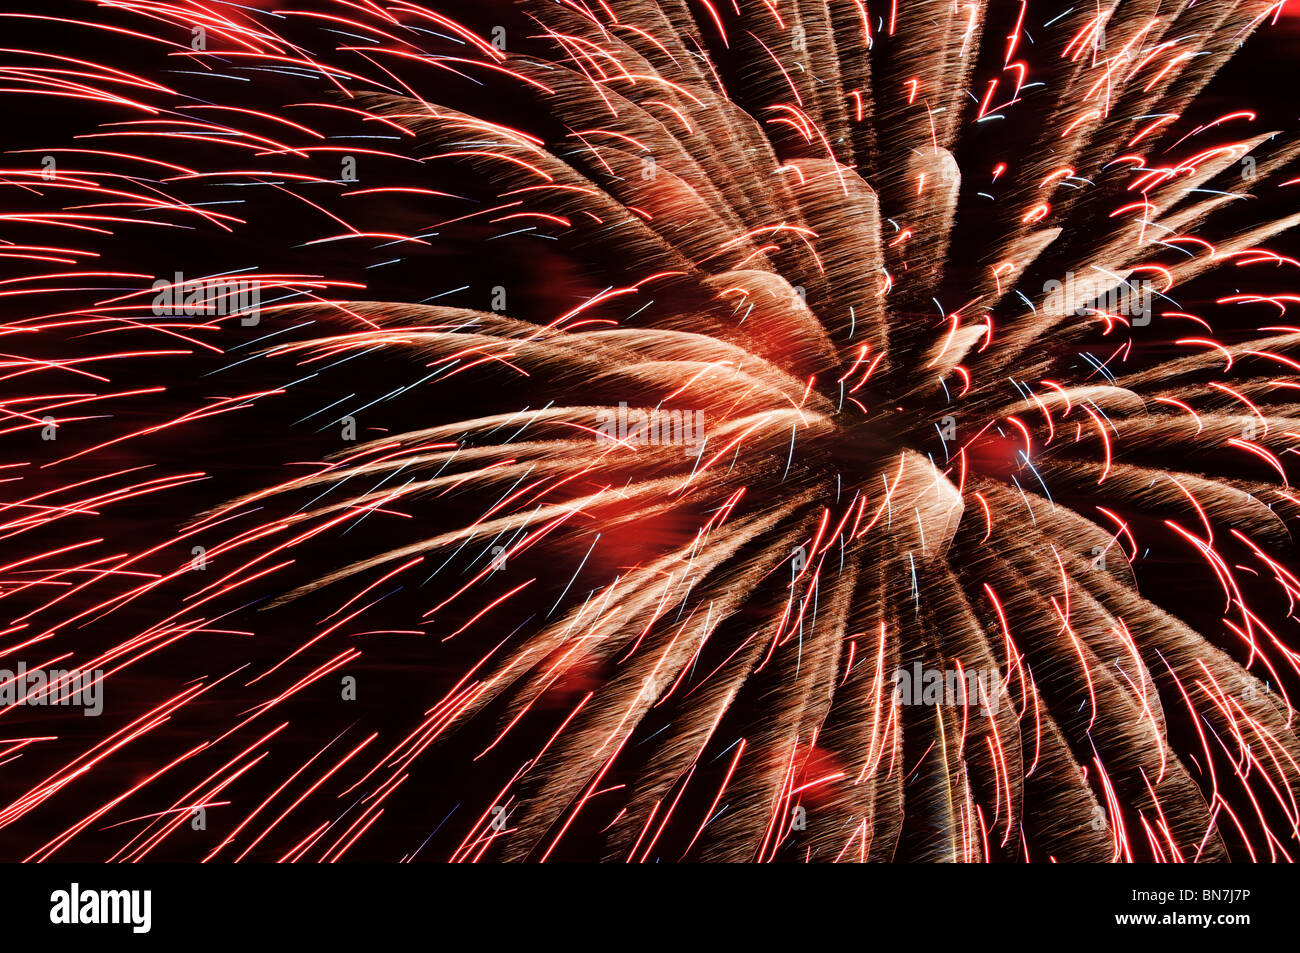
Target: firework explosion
[(644, 431)]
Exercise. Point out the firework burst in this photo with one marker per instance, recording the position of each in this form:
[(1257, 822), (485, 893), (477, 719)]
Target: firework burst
[(646, 430)]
